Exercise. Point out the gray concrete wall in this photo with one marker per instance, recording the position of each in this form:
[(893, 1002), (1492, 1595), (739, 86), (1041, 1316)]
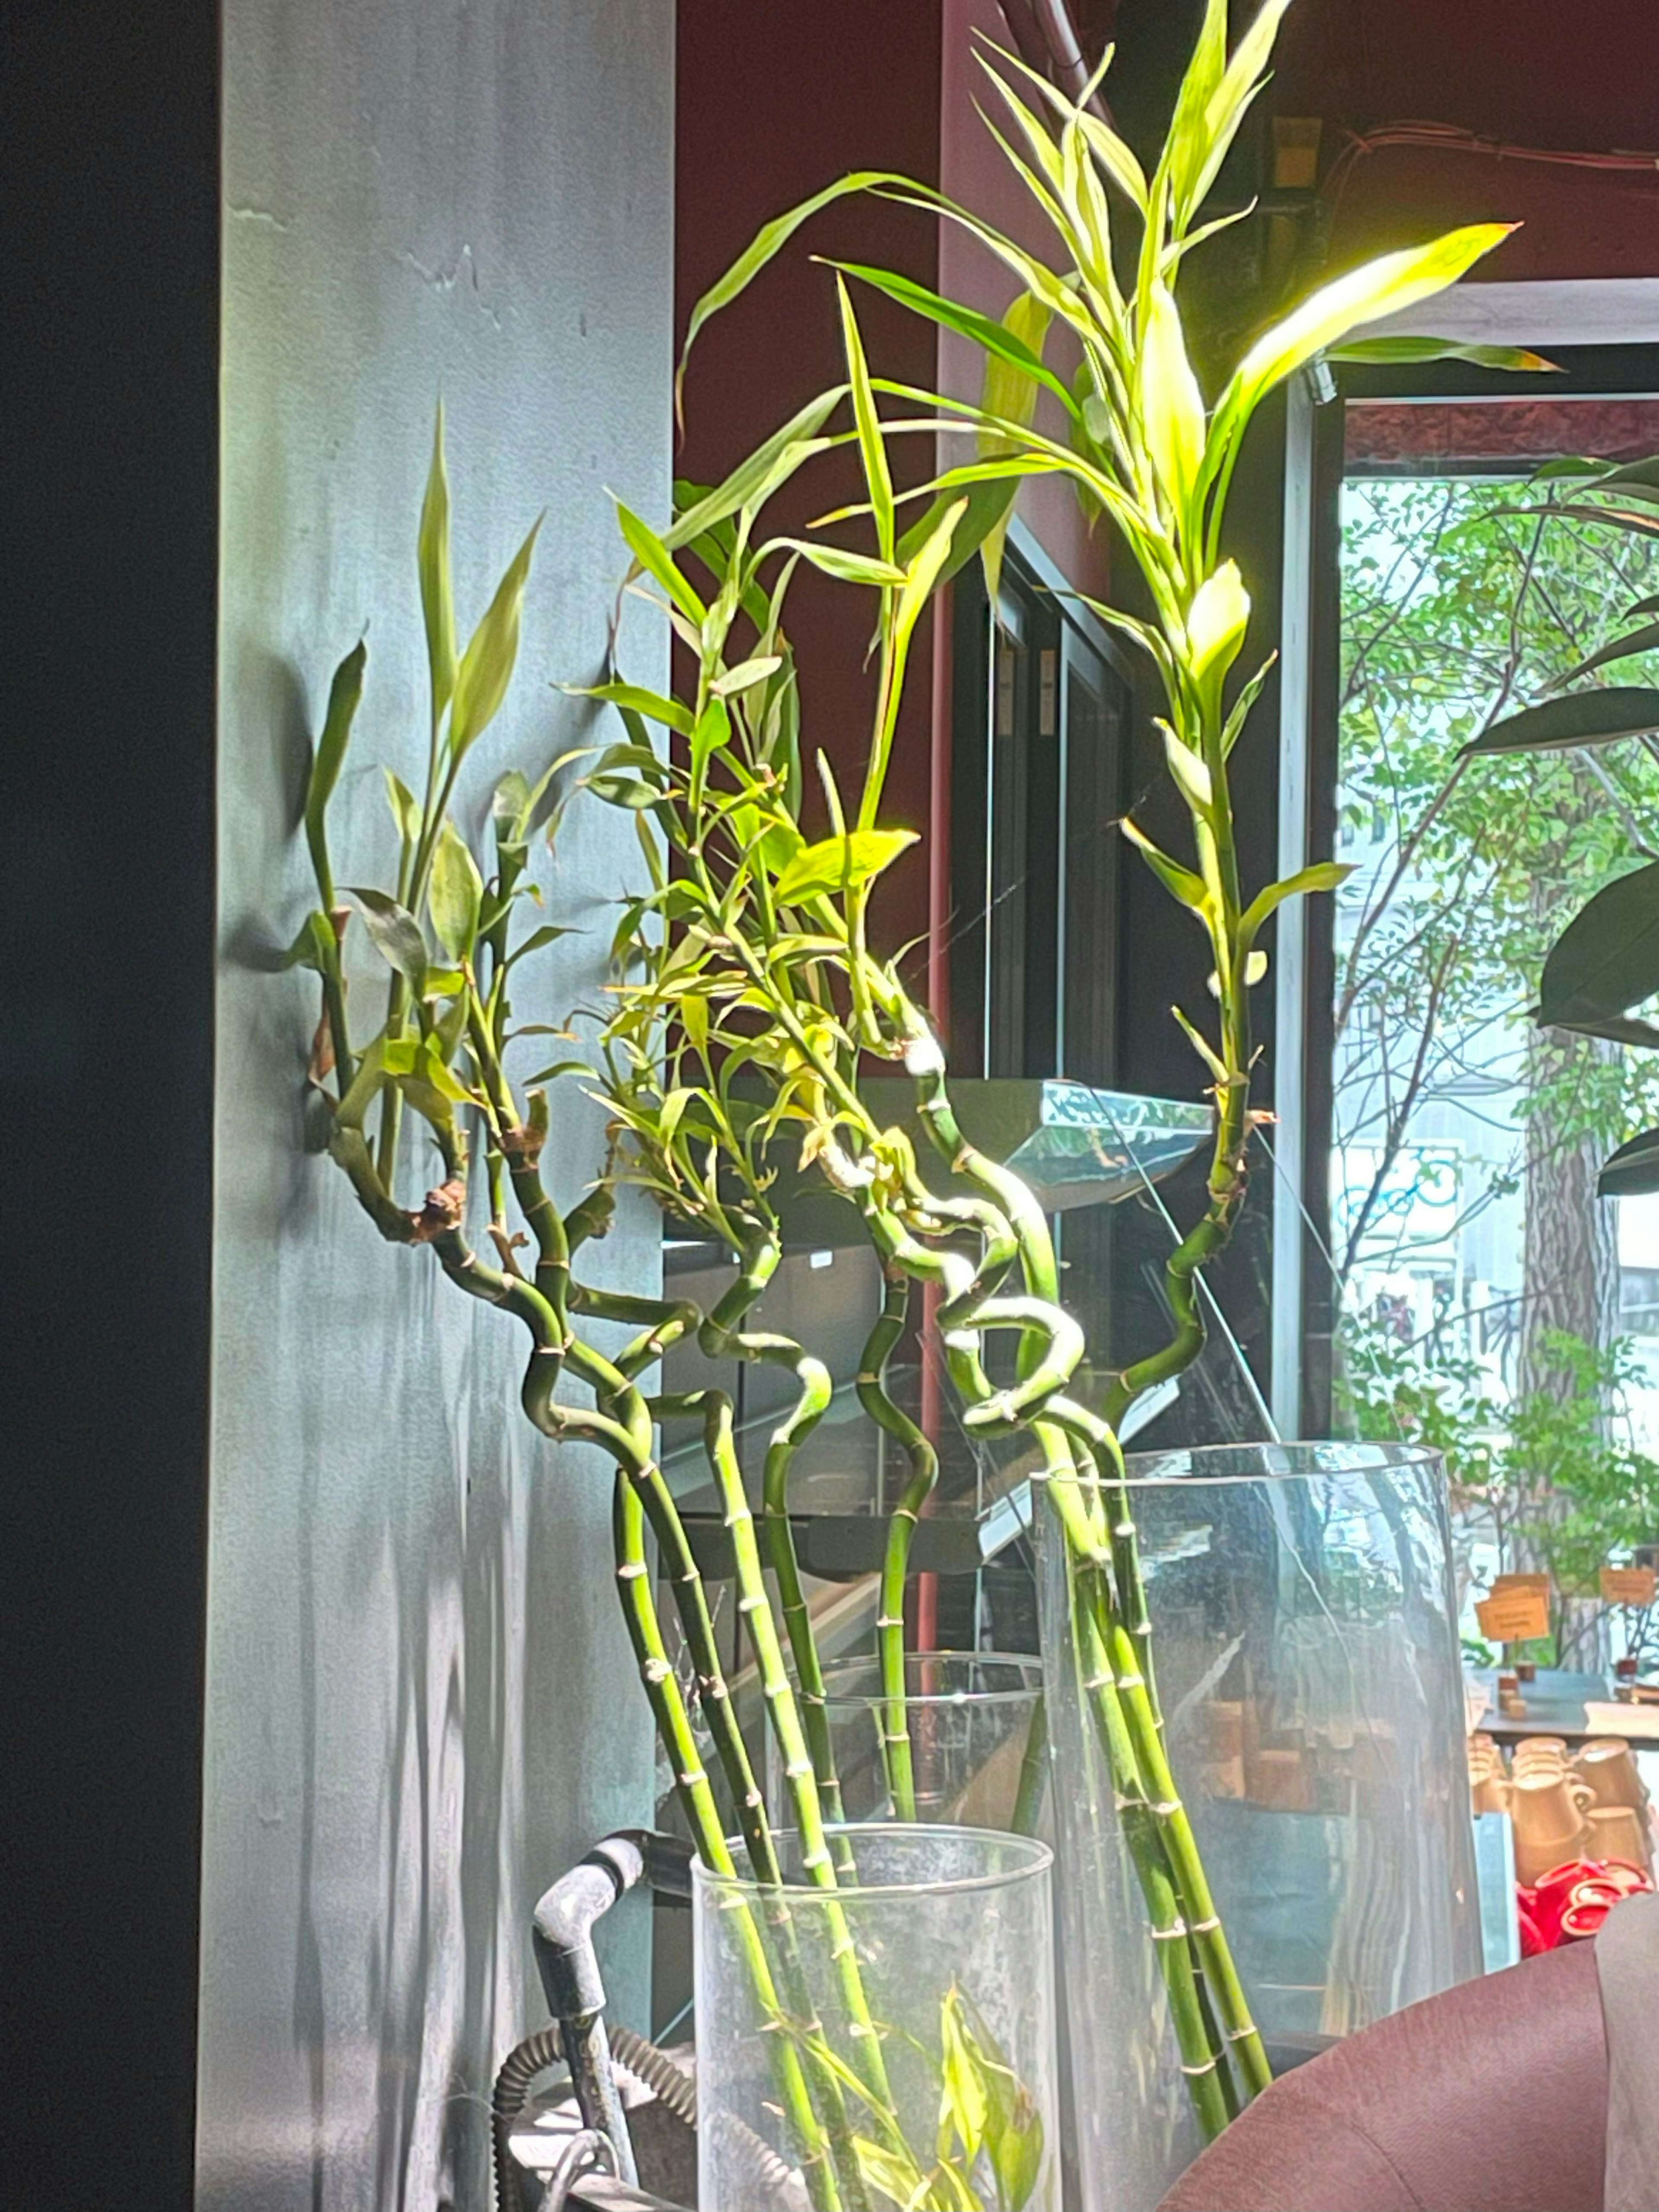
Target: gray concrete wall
[(420, 1703)]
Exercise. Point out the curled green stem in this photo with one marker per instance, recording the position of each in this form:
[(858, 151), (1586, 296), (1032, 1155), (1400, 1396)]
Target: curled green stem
[(878, 1402)]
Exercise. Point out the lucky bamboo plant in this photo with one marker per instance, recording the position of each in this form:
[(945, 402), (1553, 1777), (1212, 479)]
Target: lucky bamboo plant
[(1147, 454), (748, 996), (451, 934), (762, 973)]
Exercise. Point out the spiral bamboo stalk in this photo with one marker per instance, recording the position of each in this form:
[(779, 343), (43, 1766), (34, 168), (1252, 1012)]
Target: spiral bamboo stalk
[(723, 1337), (878, 1402), (828, 2162)]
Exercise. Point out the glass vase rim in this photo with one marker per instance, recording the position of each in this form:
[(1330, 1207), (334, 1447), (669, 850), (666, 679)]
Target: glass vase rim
[(1038, 1858), (1151, 1470), (1028, 1661)]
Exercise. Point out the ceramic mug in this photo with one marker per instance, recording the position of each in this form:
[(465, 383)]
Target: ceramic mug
[(1609, 1767), (1619, 1832), (1546, 1750), (1548, 1811), (1491, 1792)]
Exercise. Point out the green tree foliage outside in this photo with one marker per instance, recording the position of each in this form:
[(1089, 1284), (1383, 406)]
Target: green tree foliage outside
[(1458, 606)]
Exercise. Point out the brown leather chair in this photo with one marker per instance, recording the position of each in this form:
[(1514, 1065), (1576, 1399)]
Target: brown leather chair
[(1491, 2097)]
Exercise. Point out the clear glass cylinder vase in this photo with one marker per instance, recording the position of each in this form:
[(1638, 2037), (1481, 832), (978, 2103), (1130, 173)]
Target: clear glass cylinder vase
[(1304, 1652), (970, 1719), (882, 2032)]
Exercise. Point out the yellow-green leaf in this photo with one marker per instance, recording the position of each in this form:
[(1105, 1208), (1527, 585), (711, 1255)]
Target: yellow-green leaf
[(1188, 138), (437, 593), (834, 863), (456, 895), (1180, 882), (1240, 83), (873, 447), (1323, 875), (344, 693), (405, 814), (1191, 776), (746, 674), (1009, 391), (845, 567), (630, 698), (1216, 621), (1383, 287), (655, 559), (767, 242), (486, 666), (1171, 404)]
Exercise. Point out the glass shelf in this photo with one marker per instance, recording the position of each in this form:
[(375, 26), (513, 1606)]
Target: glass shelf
[(1075, 1146)]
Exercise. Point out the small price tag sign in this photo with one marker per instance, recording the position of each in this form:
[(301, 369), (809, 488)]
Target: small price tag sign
[(1502, 1584), (1515, 1616), (1628, 1585)]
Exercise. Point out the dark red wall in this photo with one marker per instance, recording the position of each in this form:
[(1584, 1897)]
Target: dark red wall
[(775, 102), (1565, 74)]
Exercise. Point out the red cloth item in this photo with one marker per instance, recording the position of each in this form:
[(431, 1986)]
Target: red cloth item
[(1569, 1904)]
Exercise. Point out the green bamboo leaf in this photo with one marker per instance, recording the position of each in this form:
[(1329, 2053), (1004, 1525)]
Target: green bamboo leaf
[(746, 675), (456, 896), (1188, 141), (655, 557), (1618, 518), (1323, 875), (1578, 718), (395, 932), (437, 593), (617, 788), (509, 804), (1633, 1170), (1645, 640), (1009, 392), (964, 2103), (556, 1068), (754, 480), (847, 567), (768, 242), (1514, 359), (1569, 465), (1180, 882), (1115, 157), (1227, 106), (1385, 286), (630, 698), (833, 863), (548, 933), (1607, 959), (872, 448), (900, 2180), (486, 666), (1192, 778), (712, 730), (344, 693), (1201, 1046), (996, 338), (1016, 2152), (405, 814)]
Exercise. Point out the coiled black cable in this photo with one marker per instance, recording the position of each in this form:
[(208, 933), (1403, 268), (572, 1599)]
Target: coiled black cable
[(668, 2082), (639, 2061)]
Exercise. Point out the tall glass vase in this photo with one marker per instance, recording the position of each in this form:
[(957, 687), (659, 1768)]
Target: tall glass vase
[(1304, 1654), (890, 2040), (973, 1721)]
